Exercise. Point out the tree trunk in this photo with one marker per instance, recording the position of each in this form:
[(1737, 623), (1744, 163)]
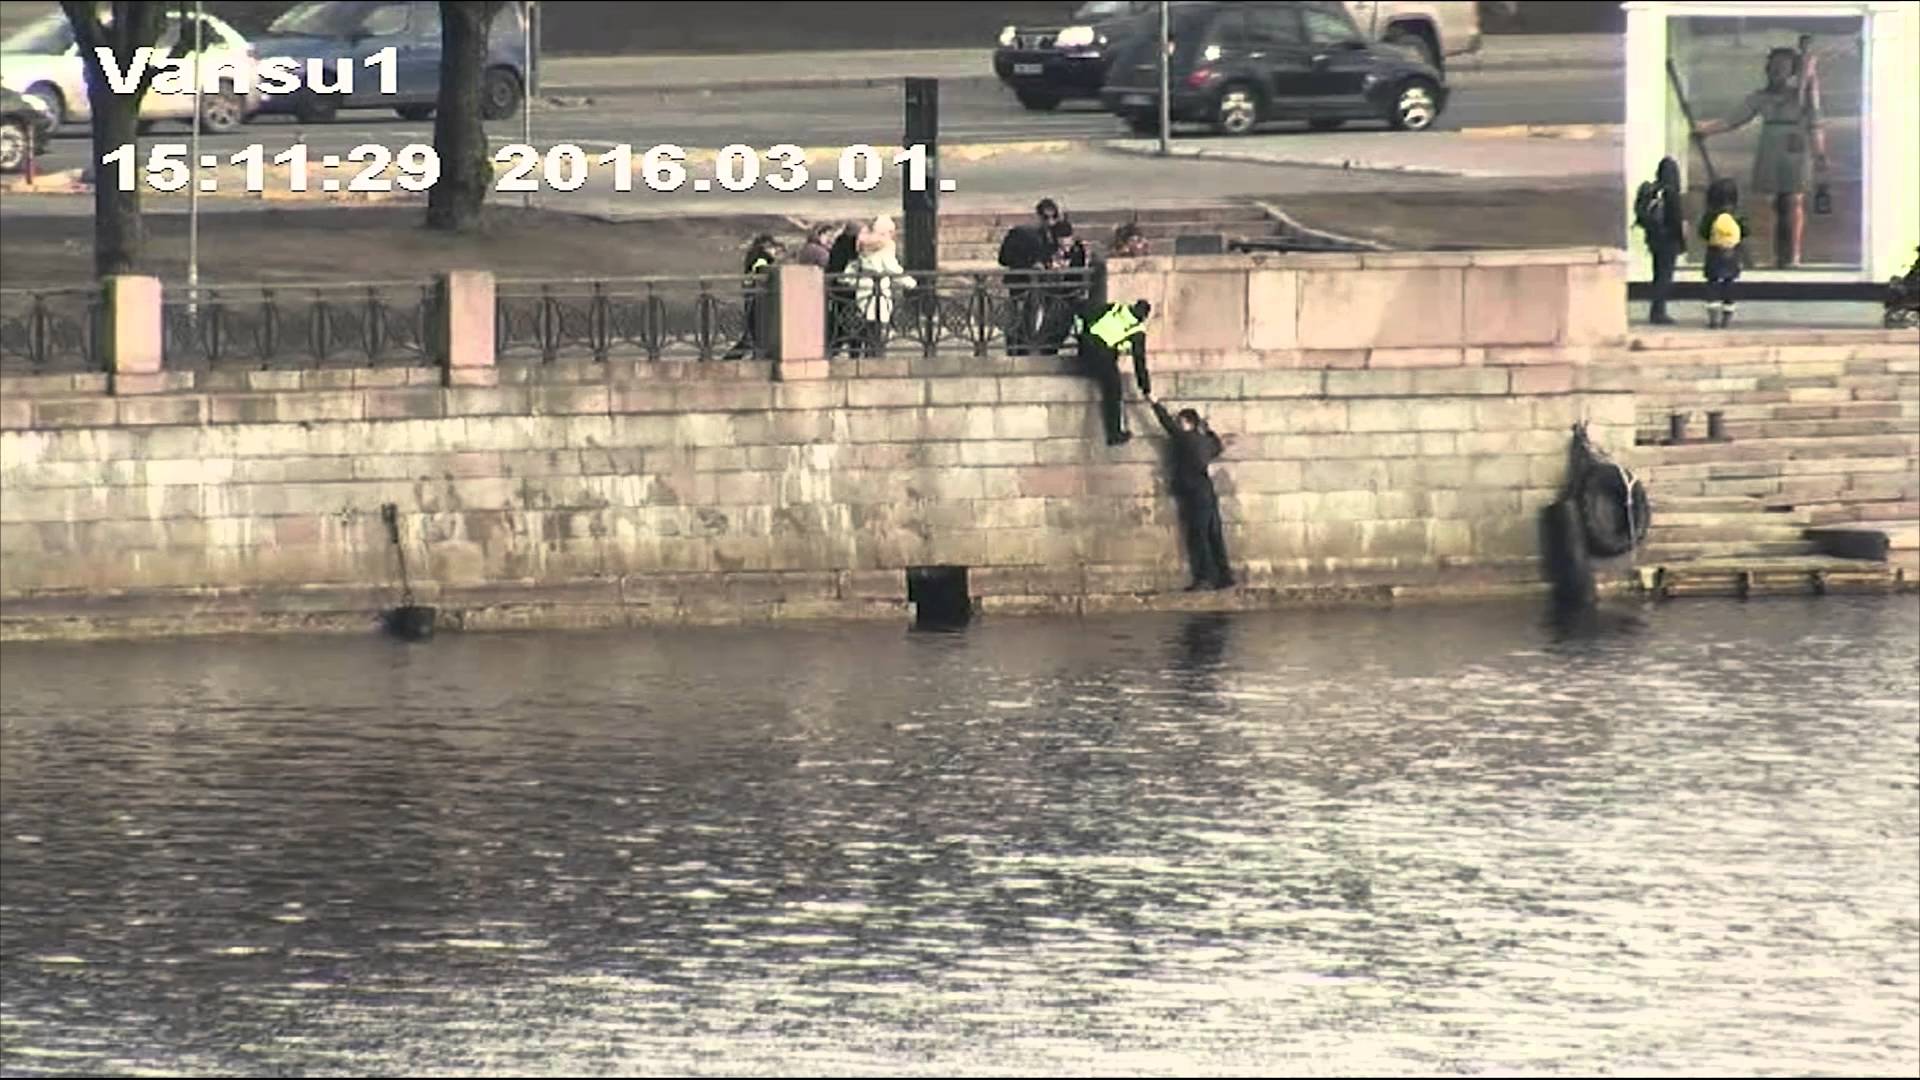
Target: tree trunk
[(459, 136), (119, 232)]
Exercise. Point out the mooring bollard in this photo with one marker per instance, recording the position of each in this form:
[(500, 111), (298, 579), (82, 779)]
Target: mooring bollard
[(1677, 427), (1717, 426)]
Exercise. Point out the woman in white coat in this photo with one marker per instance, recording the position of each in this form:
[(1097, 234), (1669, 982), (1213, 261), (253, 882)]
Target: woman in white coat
[(875, 275)]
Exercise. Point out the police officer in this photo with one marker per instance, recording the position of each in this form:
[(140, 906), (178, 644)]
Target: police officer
[(1195, 446), (1102, 331)]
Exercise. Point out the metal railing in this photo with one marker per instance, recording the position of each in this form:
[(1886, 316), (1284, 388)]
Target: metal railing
[(51, 331), (658, 318), (375, 324), (1018, 312)]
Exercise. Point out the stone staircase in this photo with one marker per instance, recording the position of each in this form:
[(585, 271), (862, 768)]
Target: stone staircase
[(972, 240), (1819, 436)]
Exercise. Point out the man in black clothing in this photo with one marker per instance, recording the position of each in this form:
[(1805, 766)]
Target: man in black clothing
[(1061, 300), (1103, 330), (1024, 249), (761, 255), (1657, 211), (1195, 446)]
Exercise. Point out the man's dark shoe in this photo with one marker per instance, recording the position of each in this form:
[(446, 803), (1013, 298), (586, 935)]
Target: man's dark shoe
[(1121, 439), (1198, 586), (1225, 583), (1662, 319)]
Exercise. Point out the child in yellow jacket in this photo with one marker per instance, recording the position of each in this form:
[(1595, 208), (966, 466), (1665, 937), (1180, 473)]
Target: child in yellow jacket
[(1723, 230)]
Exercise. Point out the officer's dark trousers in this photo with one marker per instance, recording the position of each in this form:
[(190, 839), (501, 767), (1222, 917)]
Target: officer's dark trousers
[(1105, 370), (1206, 543), (1663, 260)]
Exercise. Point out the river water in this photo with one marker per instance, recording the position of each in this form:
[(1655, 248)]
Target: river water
[(1449, 840)]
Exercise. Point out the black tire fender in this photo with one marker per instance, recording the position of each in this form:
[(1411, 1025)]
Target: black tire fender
[(1613, 509)]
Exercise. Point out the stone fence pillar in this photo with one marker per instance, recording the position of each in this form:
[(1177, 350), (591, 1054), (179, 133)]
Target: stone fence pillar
[(464, 327), (132, 334), (799, 339)]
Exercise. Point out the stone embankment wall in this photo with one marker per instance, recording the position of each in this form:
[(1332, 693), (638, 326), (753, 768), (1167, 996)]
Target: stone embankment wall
[(1396, 421)]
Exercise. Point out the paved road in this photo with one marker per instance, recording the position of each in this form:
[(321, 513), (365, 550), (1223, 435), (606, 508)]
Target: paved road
[(970, 114)]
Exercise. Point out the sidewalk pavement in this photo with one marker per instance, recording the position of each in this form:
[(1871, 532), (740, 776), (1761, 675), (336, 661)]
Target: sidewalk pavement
[(713, 73), (1435, 153)]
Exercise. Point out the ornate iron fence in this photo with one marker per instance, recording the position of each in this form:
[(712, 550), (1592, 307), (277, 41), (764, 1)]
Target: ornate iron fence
[(1019, 312), (376, 324), (655, 318), (51, 331)]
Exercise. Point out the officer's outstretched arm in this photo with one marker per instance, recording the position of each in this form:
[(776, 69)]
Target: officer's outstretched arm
[(1141, 378)]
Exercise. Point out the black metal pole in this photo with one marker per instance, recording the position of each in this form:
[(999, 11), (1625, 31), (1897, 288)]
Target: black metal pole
[(920, 210)]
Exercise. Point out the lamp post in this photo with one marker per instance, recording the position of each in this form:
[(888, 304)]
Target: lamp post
[(1166, 60), (528, 14), (193, 189)]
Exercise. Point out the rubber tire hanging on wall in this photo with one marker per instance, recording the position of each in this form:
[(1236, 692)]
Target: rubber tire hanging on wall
[(1603, 501)]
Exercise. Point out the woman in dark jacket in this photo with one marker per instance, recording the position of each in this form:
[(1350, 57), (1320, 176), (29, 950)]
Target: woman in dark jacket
[(1657, 212)]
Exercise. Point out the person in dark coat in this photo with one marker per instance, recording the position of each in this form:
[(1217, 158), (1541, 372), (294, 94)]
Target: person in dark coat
[(1024, 249), (843, 323), (1658, 214), (757, 265), (1062, 300), (1194, 447), (1102, 332)]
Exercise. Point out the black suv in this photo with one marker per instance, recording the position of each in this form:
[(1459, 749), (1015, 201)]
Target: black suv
[(1047, 65), (1236, 66)]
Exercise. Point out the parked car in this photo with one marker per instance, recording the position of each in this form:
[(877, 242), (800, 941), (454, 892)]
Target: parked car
[(1044, 66), (24, 125), (1237, 66), (333, 31), (43, 61), (1436, 30)]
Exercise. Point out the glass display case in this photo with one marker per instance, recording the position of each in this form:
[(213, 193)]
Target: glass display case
[(1812, 112)]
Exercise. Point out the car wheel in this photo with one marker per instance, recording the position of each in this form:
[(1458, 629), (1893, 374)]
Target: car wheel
[(1326, 123), (50, 94), (1144, 125), (1417, 44), (312, 108), (14, 145), (415, 112), (499, 94), (1038, 102), (222, 113), (1238, 110), (1415, 106)]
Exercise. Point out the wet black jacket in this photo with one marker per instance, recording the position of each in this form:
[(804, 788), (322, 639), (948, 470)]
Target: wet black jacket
[(845, 247), (1025, 247), (1193, 451)]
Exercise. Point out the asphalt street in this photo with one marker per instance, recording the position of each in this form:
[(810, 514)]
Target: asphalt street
[(816, 118)]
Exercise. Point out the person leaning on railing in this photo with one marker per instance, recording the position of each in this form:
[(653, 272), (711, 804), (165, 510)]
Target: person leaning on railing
[(875, 275), (761, 255)]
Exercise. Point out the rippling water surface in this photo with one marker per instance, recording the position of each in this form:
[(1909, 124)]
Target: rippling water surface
[(1351, 843)]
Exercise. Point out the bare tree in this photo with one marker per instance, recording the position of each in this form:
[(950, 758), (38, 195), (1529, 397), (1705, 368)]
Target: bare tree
[(459, 136), (119, 234)]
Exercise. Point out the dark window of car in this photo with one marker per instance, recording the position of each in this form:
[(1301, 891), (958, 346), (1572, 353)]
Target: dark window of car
[(1273, 27), (1329, 28), (426, 21)]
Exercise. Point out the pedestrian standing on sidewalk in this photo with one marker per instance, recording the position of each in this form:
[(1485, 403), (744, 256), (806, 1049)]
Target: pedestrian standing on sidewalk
[(1656, 211), (1722, 229), (1102, 332), (819, 246), (1194, 448)]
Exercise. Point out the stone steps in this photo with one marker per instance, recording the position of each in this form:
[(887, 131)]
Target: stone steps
[(1723, 532), (1696, 550), (1747, 430), (1783, 410), (1870, 513), (1783, 451), (1773, 575), (969, 238)]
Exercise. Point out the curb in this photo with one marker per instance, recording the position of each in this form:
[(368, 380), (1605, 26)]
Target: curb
[(1574, 132), (1343, 165)]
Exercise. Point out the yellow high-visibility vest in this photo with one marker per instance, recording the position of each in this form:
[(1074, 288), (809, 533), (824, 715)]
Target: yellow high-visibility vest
[(1115, 326)]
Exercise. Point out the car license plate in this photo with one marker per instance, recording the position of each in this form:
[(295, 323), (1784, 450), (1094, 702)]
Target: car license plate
[(1136, 99), (1028, 69)]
